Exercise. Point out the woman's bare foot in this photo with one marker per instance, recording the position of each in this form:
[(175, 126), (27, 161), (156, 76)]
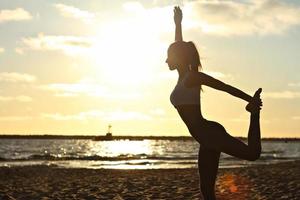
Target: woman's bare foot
[(255, 105)]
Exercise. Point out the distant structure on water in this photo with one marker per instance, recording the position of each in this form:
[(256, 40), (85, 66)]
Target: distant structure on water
[(108, 135)]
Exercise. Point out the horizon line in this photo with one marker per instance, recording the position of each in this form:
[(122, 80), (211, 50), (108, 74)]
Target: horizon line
[(3, 136)]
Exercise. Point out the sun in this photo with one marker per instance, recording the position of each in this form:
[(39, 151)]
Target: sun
[(126, 53)]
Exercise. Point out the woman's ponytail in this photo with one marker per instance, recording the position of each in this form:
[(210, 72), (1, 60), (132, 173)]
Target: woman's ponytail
[(193, 57)]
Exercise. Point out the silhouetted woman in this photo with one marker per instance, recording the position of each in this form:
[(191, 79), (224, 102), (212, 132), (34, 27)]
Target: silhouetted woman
[(212, 136)]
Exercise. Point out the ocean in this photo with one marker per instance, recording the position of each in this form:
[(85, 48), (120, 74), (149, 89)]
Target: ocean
[(128, 154)]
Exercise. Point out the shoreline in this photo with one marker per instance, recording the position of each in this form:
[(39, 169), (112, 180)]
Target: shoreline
[(67, 164), (123, 137), (270, 181)]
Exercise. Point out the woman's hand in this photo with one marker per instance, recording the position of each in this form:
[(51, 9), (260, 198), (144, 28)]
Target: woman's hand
[(177, 20), (255, 104), (177, 15)]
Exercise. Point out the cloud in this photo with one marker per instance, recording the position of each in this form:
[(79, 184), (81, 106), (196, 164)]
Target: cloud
[(21, 98), (1, 50), (76, 13), (133, 6), (19, 14), (15, 77), (79, 116), (158, 112), (281, 95), (118, 115), (14, 118), (19, 51), (294, 84), (70, 45), (129, 115), (226, 18), (76, 89), (154, 20), (89, 88), (296, 117)]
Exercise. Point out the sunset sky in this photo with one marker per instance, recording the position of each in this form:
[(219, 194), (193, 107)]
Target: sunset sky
[(74, 66)]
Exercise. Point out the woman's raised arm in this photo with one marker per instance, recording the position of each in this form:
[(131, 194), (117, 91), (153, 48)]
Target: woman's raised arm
[(177, 20)]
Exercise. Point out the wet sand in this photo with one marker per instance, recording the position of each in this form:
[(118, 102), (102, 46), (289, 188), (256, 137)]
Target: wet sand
[(276, 181)]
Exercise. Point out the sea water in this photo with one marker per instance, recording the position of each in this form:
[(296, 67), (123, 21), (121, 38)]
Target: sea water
[(128, 154)]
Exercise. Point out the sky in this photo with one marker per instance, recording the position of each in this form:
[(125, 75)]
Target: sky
[(74, 67)]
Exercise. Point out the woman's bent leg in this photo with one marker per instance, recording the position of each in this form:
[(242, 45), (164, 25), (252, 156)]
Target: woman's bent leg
[(237, 148), (254, 138), (214, 136), (217, 138), (208, 163)]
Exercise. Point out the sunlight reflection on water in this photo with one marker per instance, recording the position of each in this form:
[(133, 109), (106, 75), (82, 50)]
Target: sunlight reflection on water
[(127, 154), (122, 147)]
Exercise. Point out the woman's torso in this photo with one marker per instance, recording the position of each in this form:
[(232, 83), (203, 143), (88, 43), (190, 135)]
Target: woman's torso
[(181, 95), (187, 102)]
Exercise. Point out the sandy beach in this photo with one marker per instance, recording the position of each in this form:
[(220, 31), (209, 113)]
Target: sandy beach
[(276, 181)]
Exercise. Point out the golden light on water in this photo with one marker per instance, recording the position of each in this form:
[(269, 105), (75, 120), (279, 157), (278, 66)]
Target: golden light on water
[(124, 147), (130, 147), (128, 152)]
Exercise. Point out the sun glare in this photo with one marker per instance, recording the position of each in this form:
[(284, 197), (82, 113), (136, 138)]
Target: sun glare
[(123, 147), (126, 53)]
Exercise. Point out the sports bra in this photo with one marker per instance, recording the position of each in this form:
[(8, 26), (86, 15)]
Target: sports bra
[(182, 95)]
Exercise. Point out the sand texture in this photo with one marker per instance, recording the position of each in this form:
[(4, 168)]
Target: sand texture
[(276, 181)]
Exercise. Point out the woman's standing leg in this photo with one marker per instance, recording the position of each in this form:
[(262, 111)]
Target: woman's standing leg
[(208, 163)]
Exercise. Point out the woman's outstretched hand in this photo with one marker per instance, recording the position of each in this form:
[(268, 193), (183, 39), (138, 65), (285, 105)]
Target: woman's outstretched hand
[(255, 104), (177, 15)]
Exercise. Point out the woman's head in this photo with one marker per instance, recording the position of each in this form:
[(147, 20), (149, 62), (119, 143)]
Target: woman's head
[(183, 56)]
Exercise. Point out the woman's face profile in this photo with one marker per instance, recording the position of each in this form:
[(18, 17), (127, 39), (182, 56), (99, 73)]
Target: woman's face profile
[(172, 60)]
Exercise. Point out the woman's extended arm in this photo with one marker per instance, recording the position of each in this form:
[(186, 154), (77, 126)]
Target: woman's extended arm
[(177, 20), (199, 78)]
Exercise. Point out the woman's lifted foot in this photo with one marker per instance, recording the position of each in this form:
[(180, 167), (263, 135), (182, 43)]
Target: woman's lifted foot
[(254, 106)]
